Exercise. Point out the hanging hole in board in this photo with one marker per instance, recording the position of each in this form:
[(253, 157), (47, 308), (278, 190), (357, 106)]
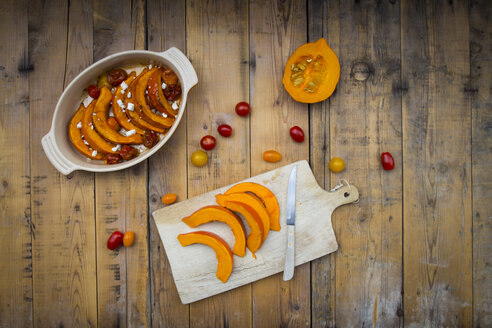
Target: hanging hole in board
[(346, 194)]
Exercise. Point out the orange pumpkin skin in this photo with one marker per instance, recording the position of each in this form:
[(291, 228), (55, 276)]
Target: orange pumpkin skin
[(312, 72), (222, 250), (217, 213)]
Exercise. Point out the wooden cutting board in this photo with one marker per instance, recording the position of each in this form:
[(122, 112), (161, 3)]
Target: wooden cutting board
[(194, 267)]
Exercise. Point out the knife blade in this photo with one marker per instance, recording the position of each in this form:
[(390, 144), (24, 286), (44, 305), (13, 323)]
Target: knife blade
[(291, 221)]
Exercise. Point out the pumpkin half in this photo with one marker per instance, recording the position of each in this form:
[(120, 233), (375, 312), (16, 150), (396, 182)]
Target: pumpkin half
[(312, 72)]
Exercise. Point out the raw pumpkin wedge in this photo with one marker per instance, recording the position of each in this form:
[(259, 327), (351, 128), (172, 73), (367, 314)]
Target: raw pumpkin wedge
[(136, 114), (93, 138), (75, 135), (312, 72), (152, 118), (100, 121), (268, 198), (255, 237), (217, 213), (222, 251), (156, 95), (119, 113), (251, 201)]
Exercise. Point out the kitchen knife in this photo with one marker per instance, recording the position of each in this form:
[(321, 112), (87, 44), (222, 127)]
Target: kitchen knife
[(291, 221)]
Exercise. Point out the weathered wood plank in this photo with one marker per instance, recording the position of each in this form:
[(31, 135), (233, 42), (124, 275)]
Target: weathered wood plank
[(277, 28), (166, 26), (15, 202), (436, 152), (62, 207), (365, 120), (121, 197), (217, 44), (323, 18), (481, 104)]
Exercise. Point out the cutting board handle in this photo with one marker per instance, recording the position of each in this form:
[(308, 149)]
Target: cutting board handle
[(346, 194)]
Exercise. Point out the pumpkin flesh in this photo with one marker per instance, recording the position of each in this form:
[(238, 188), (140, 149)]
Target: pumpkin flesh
[(75, 135)]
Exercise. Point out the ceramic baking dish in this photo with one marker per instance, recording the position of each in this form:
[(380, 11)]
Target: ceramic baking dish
[(56, 144)]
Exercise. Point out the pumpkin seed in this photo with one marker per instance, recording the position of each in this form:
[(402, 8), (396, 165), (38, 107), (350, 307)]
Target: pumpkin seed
[(298, 81)]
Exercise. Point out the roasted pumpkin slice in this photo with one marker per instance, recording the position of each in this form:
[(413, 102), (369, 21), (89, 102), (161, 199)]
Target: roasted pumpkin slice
[(217, 213), (156, 96), (268, 198), (222, 251), (135, 115), (152, 118), (90, 134), (252, 201), (255, 237), (312, 72), (100, 121), (75, 135), (119, 98)]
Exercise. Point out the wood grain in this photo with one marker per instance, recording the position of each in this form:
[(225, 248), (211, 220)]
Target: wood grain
[(436, 151), (277, 28), (217, 44), (365, 120), (481, 103), (15, 203), (166, 26), (121, 197)]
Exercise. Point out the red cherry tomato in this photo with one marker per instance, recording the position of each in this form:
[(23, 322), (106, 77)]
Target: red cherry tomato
[(224, 130), (297, 134), (127, 152), (387, 161), (115, 240), (113, 159), (150, 139), (116, 76), (208, 142), (93, 91), (242, 108)]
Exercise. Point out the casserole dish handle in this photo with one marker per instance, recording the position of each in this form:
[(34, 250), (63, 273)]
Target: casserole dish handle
[(54, 155), (183, 65)]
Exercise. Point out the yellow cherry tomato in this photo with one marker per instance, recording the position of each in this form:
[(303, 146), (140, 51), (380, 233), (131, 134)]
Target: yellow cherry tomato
[(128, 238), (337, 164), (199, 158), (168, 199), (272, 156)]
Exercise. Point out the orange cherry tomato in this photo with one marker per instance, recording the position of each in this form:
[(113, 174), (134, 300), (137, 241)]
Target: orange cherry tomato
[(272, 156), (168, 199), (113, 124), (128, 238), (336, 164), (199, 158)]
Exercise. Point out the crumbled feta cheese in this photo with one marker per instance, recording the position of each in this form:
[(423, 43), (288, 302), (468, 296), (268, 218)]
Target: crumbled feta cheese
[(87, 101), (120, 103), (175, 105), (123, 85), (150, 66), (131, 132), (129, 95), (116, 148), (111, 114), (122, 91), (128, 120), (79, 125), (308, 60), (94, 114), (146, 92), (164, 114), (131, 107), (85, 141), (92, 127), (164, 85), (94, 153)]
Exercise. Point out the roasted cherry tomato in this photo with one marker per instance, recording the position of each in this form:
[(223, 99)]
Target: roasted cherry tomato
[(93, 91), (208, 142), (297, 134), (113, 124), (116, 76), (113, 159), (115, 240), (128, 152), (272, 156), (336, 164), (168, 199), (242, 108), (224, 130), (387, 161), (150, 139), (172, 92), (199, 158), (128, 238)]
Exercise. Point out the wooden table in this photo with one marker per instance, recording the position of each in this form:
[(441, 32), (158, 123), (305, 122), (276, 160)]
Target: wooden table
[(415, 81)]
